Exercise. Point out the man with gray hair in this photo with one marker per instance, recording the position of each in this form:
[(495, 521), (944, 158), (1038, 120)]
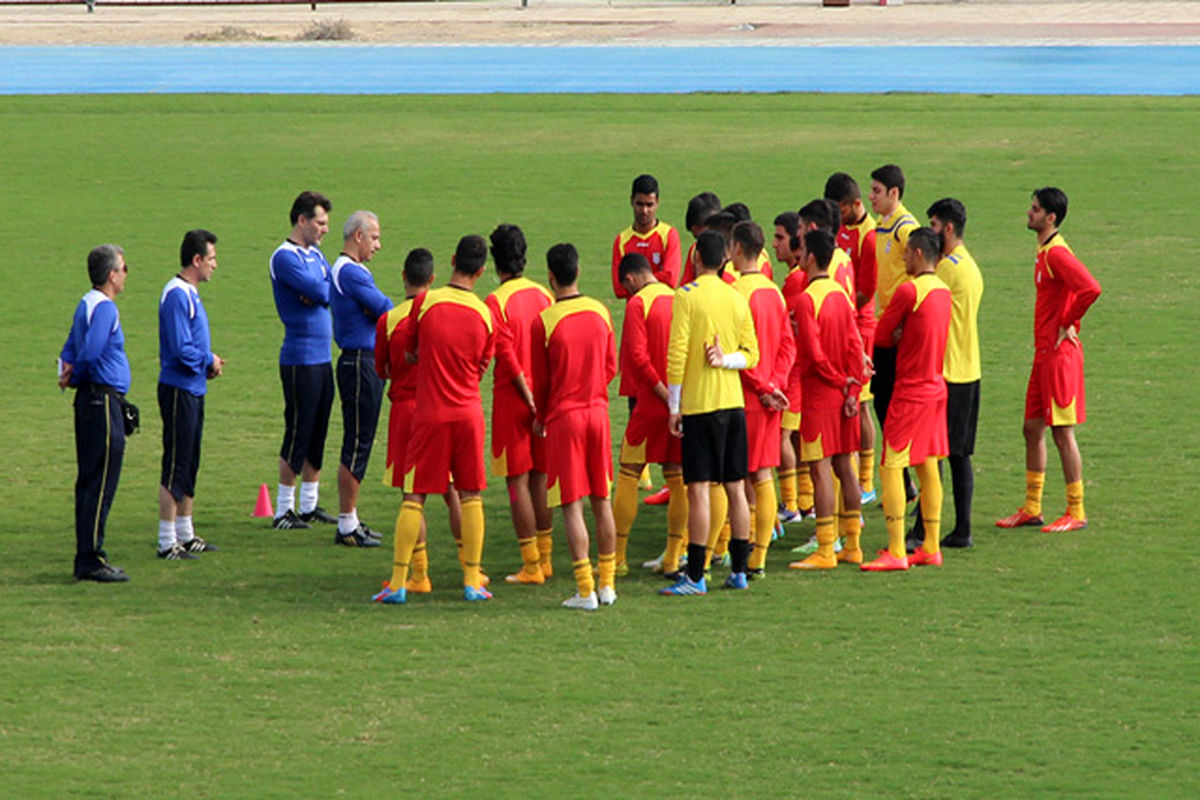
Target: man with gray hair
[(93, 362), (356, 304)]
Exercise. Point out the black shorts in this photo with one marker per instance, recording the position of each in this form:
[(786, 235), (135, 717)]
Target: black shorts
[(307, 401), (962, 416), (361, 392), (183, 425), (883, 381), (714, 446)]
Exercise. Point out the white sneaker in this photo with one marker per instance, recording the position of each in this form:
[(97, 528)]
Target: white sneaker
[(607, 595), (655, 564), (589, 603), (837, 545)]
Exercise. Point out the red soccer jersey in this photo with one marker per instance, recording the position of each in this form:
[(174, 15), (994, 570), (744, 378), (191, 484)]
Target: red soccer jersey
[(574, 357), (450, 330), (922, 306), (1065, 291), (390, 361), (858, 241), (644, 337), (830, 350), (842, 271), (660, 247), (514, 306), (776, 344)]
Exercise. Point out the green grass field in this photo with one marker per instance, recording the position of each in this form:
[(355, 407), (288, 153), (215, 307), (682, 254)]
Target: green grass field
[(1032, 666)]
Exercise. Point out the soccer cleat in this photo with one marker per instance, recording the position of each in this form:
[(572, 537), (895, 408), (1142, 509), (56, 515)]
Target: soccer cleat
[(778, 532), (177, 552), (485, 581), (808, 548), (885, 563), (919, 558), (319, 514), (1065, 523), (355, 538), (390, 596), (655, 564), (912, 542), (736, 580), (1020, 520), (676, 575), (809, 513), (370, 533), (423, 586), (956, 539), (198, 545), (837, 545), (607, 595), (815, 561), (685, 587), (289, 521), (526, 578), (475, 594), (105, 573), (755, 573), (723, 560), (589, 603), (621, 569), (846, 556), (869, 496), (787, 516), (659, 498), (547, 571)]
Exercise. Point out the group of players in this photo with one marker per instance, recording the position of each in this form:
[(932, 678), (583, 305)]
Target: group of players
[(731, 383)]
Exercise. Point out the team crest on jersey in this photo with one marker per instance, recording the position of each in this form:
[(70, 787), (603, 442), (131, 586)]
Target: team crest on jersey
[(887, 246), (656, 258)]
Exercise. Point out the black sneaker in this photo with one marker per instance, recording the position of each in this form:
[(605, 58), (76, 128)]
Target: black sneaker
[(289, 521), (355, 538), (370, 533), (105, 573), (319, 514), (956, 539), (676, 576), (177, 552), (198, 545), (755, 574)]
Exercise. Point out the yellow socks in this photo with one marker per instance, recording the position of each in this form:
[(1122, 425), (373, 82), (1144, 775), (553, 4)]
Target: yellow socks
[(718, 507), (625, 507), (787, 488), (408, 531), (545, 546), (419, 564), (677, 513), (931, 504), (804, 488), (826, 535), (472, 539), (608, 570), (850, 526), (764, 522), (583, 576), (1034, 482), (866, 470), (530, 556), (644, 480), (1075, 500), (891, 479)]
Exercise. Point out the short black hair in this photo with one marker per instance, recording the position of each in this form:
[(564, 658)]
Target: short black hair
[(740, 211), (307, 203), (710, 248), (644, 184), (842, 188), (750, 236), (101, 261), (722, 222), (1053, 200), (508, 249), (823, 213), (195, 243), (418, 266), (789, 221), (632, 263), (951, 211), (563, 262), (891, 176), (700, 208), (470, 255), (928, 242), (821, 244)]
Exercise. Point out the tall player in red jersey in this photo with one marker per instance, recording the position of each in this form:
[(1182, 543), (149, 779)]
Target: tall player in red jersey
[(574, 359), (654, 239), (795, 482), (917, 324), (1055, 396), (516, 455), (452, 338)]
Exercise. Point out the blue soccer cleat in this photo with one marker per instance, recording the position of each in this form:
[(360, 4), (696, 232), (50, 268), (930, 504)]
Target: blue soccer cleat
[(777, 532), (475, 594), (391, 596), (736, 580), (685, 587), (869, 497)]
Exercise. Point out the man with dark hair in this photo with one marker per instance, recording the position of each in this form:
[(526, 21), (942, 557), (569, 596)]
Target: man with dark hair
[(93, 362), (517, 456), (787, 227), (574, 359), (1055, 396), (654, 239), (914, 433), (357, 304), (706, 408), (699, 209), (300, 283), (451, 336), (186, 363)]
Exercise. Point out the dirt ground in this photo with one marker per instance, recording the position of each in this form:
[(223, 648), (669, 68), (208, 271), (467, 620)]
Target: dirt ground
[(591, 22)]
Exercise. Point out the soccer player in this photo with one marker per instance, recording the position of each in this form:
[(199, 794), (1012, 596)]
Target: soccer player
[(574, 359), (357, 304), (186, 362), (832, 370), (517, 456), (857, 237), (391, 364), (712, 334), (93, 362), (300, 283), (762, 387), (917, 322), (644, 338), (654, 239), (795, 482), (1055, 396), (699, 209), (451, 336)]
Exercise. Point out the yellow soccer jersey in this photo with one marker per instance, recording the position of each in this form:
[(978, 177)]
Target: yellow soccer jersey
[(959, 271), (891, 237), (705, 309)]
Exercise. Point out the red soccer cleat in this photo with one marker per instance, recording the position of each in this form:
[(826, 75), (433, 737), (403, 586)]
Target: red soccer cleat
[(885, 563), (659, 498), (1020, 520), (1064, 524), (919, 558)]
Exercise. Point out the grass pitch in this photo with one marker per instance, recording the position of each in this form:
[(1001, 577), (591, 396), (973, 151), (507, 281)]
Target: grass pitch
[(1033, 665)]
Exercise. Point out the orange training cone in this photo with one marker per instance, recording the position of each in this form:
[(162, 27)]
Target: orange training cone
[(263, 507)]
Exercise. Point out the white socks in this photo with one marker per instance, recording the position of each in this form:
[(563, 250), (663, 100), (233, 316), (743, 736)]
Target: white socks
[(183, 530), (308, 496), (348, 523), (166, 534), (285, 500)]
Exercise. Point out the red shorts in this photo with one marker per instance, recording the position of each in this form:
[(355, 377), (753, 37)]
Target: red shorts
[(514, 449), (648, 438), (439, 450), (763, 438), (914, 431), (399, 420), (1055, 391), (578, 456), (824, 429)]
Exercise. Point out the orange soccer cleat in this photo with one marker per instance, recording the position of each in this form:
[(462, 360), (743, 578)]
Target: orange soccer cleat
[(919, 558), (815, 561), (846, 556), (1065, 523), (423, 586), (1020, 520), (523, 577), (886, 563)]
